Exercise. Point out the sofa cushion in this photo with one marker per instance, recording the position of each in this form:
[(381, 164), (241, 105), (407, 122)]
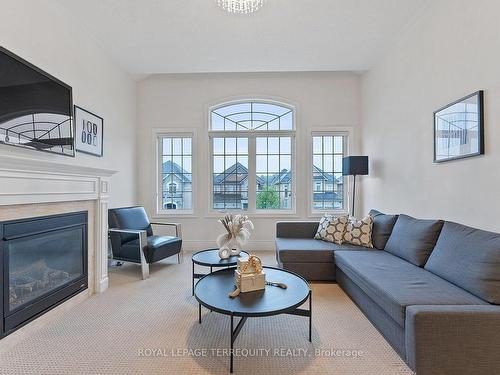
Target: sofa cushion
[(413, 239), (296, 229), (157, 248), (382, 228), (469, 258), (393, 283), (302, 250)]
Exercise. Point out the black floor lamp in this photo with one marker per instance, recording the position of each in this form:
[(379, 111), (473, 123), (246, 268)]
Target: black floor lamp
[(353, 166)]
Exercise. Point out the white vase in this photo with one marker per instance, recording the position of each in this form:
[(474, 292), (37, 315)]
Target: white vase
[(235, 252), (224, 252), (236, 246)]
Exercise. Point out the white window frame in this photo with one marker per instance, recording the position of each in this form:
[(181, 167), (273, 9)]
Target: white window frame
[(252, 135), (158, 135), (347, 133)]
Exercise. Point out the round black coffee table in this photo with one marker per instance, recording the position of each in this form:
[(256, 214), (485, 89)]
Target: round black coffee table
[(212, 292), (210, 258)]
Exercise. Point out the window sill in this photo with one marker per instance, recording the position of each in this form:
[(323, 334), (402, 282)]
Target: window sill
[(260, 215), (165, 215), (319, 214)]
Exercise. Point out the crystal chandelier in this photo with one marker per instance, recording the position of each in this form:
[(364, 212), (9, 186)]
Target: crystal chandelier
[(241, 6)]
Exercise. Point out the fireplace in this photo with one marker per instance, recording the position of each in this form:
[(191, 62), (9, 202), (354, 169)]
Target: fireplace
[(43, 262)]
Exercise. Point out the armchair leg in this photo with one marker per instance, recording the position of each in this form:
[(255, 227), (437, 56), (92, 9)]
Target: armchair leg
[(144, 263), (178, 232), (179, 258), (145, 270)]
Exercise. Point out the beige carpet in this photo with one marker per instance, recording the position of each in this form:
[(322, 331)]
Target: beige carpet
[(151, 327)]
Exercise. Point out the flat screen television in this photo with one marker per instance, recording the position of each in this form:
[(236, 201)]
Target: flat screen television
[(35, 108)]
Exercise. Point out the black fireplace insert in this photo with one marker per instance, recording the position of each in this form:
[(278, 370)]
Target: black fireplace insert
[(43, 262)]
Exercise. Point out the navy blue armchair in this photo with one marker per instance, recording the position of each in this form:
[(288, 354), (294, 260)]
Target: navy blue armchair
[(132, 238)]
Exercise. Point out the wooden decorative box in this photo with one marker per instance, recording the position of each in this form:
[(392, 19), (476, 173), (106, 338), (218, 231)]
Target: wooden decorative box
[(245, 267), (248, 282)]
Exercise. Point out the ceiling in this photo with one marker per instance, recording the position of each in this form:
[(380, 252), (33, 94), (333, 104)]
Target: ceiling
[(196, 36)]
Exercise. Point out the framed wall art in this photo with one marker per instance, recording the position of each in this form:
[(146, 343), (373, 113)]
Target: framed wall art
[(459, 129), (88, 132)]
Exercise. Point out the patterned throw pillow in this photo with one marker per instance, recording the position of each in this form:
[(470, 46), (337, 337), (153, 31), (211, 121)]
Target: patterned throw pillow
[(331, 229), (359, 232)]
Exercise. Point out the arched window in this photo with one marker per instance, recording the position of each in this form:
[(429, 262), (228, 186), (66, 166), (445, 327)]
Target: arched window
[(252, 146), (252, 116)]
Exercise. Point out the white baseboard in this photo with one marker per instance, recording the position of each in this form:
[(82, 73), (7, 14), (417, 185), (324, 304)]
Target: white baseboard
[(102, 285), (256, 245)]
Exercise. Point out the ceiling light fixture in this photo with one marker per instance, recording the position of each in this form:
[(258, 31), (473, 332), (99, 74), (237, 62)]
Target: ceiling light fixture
[(241, 6)]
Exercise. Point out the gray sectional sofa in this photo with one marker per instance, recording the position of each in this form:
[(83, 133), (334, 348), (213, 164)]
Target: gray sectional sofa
[(432, 288)]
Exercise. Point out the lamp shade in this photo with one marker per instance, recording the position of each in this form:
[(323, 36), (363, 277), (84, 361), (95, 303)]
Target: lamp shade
[(354, 165)]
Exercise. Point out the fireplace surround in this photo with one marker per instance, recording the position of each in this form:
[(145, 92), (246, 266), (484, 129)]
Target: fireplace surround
[(43, 263), (39, 187)]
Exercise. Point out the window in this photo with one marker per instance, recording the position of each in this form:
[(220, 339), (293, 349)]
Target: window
[(230, 173), (274, 172), (328, 191), (175, 190), (252, 156)]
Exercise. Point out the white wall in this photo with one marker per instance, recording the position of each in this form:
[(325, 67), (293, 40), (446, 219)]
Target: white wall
[(451, 51), (48, 37), (182, 101)]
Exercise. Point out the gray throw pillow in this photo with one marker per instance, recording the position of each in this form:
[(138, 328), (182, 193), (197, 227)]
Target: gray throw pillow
[(382, 228), (469, 258), (413, 239)]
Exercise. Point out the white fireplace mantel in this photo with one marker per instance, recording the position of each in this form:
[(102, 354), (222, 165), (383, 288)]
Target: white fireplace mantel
[(31, 181)]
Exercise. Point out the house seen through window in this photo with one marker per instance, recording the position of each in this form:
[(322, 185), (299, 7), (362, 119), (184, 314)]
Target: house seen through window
[(176, 173), (252, 151), (328, 182)]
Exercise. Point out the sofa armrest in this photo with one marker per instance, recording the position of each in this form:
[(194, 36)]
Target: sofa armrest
[(453, 339), (142, 236), (129, 231), (296, 229), (177, 226)]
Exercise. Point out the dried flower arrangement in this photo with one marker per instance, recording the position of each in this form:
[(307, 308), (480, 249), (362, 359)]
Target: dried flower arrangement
[(238, 231)]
